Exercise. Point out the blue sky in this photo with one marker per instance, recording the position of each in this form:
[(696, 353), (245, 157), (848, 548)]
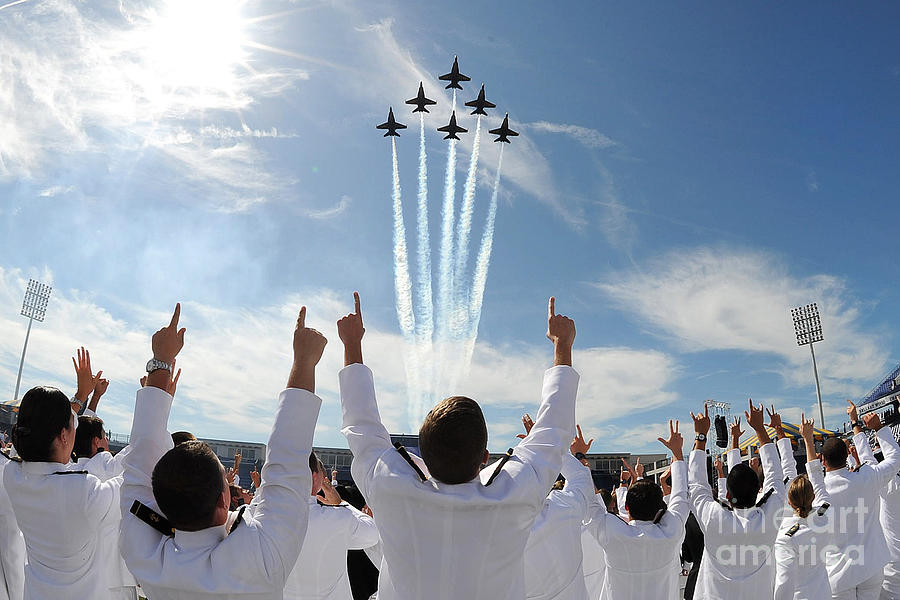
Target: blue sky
[(685, 175)]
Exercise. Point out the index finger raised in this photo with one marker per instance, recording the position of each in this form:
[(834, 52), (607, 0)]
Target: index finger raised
[(301, 318), (175, 316), (356, 308), (551, 307)]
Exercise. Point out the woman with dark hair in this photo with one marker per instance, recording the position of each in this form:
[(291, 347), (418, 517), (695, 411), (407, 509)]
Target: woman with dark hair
[(59, 510)]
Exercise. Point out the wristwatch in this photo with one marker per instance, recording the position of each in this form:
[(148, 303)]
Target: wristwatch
[(701, 437), (154, 364), (858, 423), (580, 455)]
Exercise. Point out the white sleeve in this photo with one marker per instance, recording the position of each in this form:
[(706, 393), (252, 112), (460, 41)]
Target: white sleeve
[(621, 496), (362, 532), (733, 457), (773, 476), (788, 462), (579, 484), (785, 569), (723, 488), (679, 503), (699, 489), (886, 469), (817, 479)]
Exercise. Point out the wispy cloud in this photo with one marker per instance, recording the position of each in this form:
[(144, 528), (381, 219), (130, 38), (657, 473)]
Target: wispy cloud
[(332, 212), (727, 299), (812, 181), (590, 138), (56, 190)]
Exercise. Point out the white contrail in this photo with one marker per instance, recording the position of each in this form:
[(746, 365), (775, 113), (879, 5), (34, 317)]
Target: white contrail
[(13, 4), (403, 288), (425, 305), (445, 268), (482, 264), (460, 313)]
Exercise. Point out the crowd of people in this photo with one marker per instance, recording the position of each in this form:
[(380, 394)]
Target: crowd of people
[(165, 520)]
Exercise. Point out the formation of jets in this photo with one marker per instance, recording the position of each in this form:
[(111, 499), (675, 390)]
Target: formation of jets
[(421, 102)]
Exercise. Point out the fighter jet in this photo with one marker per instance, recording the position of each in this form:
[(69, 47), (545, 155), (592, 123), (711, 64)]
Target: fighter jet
[(391, 125), (420, 100), (452, 129), (503, 131), (480, 103), (454, 76)]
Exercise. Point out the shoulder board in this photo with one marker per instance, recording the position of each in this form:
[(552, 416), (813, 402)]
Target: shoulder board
[(790, 532), (725, 505), (5, 454), (765, 498), (821, 510), (70, 473), (409, 460), (621, 518), (659, 516), (786, 479), (238, 520), (152, 518), (499, 467)]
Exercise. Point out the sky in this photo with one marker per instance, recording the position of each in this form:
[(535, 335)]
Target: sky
[(684, 175)]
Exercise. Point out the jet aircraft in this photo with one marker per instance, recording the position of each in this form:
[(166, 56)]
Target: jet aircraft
[(480, 103), (504, 131), (421, 101), (391, 125), (452, 129), (454, 76)]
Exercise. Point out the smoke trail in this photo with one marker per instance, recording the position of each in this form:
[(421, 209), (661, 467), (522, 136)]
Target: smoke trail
[(403, 287), (482, 264), (425, 306), (445, 268), (461, 318)]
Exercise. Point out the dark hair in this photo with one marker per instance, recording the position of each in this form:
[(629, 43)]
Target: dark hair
[(180, 437), (834, 453), (453, 440), (43, 414), (644, 500), (187, 483), (351, 495), (314, 462), (743, 485), (88, 429)]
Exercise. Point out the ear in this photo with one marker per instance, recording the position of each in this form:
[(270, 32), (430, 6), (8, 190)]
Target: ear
[(486, 457)]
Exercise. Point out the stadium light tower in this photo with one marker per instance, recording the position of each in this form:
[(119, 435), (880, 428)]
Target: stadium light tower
[(34, 307), (808, 328)]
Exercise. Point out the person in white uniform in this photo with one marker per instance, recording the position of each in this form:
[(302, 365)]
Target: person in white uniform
[(799, 566), (738, 536), (460, 533), (59, 510), (178, 537), (12, 545), (321, 569), (856, 559), (642, 555), (553, 563)]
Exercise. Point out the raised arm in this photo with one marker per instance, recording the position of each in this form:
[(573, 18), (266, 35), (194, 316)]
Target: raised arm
[(784, 446), (721, 480), (886, 469), (579, 483), (86, 380), (679, 504), (366, 435), (773, 476), (813, 465), (698, 485)]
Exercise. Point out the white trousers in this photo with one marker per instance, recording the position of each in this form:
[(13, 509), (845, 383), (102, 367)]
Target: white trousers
[(870, 589)]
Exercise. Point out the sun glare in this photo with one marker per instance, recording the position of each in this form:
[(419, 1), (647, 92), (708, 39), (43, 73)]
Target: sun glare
[(197, 44)]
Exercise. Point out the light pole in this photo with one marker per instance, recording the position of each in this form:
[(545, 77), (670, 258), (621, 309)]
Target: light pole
[(808, 328), (34, 307)]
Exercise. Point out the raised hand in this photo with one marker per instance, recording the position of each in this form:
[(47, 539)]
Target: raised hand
[(84, 375), (528, 423), (351, 331), (639, 468), (168, 341), (756, 420), (701, 421), (736, 432), (720, 471), (560, 331), (851, 412), (775, 422), (807, 429), (664, 482), (578, 444), (100, 387), (632, 474), (256, 479), (675, 443)]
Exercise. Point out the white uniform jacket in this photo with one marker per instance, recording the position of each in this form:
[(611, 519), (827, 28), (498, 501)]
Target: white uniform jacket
[(642, 557), (738, 542), (12, 547), (445, 542), (594, 557), (553, 563), (788, 462), (860, 551), (321, 569), (799, 566), (256, 558), (60, 513), (890, 498)]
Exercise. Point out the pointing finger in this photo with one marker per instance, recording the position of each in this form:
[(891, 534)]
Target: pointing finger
[(551, 308), (301, 318), (356, 308), (175, 316)]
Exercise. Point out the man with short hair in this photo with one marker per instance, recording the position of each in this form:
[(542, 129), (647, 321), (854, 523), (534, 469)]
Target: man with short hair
[(462, 532), (859, 552), (197, 549), (738, 536)]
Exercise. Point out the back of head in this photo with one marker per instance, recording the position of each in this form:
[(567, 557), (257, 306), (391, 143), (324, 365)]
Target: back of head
[(89, 428), (43, 414), (644, 500), (743, 485), (453, 440), (801, 495), (180, 437), (352, 496), (187, 483), (834, 453)]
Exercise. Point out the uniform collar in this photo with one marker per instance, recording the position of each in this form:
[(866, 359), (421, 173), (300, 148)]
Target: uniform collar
[(44, 468), (832, 474), (205, 538)]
